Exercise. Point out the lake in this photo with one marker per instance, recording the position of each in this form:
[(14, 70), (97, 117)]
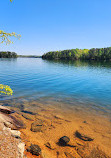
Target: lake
[(72, 83)]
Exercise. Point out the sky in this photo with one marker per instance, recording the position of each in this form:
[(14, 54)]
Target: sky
[(50, 25)]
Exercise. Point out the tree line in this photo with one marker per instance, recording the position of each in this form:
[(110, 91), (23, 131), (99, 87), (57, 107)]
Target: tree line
[(82, 54), (29, 56), (8, 54)]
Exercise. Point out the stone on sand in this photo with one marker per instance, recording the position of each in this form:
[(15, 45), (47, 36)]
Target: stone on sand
[(83, 136), (34, 149), (50, 145), (37, 126), (64, 140)]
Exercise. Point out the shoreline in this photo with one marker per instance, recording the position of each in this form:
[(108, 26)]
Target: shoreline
[(58, 122), (11, 144)]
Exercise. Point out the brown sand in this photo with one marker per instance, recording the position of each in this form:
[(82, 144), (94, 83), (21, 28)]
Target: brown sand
[(58, 123)]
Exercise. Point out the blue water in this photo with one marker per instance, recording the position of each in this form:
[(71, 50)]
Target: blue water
[(85, 83)]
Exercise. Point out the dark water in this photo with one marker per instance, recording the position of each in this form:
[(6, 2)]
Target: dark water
[(86, 84)]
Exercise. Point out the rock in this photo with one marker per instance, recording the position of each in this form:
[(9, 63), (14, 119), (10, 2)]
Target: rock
[(91, 151), (15, 133), (27, 117), (57, 152), (37, 126), (10, 147), (84, 121), (12, 121), (34, 149), (68, 155), (21, 147), (18, 123), (59, 117), (64, 140), (9, 125), (5, 110), (67, 120), (22, 107), (98, 153), (79, 143), (7, 121), (28, 112), (83, 137), (50, 145)]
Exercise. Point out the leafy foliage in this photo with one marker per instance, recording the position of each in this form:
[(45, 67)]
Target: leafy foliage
[(82, 54), (4, 89), (5, 36), (8, 55)]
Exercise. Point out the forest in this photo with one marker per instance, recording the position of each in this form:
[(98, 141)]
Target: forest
[(8, 54), (80, 54)]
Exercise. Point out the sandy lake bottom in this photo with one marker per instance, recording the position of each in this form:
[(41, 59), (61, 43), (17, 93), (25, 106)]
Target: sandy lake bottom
[(46, 123)]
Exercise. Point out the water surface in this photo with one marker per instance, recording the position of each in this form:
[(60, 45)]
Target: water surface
[(74, 83)]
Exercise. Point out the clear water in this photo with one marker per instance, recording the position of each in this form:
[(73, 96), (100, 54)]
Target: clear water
[(87, 84)]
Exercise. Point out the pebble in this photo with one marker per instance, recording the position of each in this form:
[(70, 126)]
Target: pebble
[(34, 149), (64, 140)]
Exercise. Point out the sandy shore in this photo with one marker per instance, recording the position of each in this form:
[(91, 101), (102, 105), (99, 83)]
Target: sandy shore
[(58, 122), (46, 124)]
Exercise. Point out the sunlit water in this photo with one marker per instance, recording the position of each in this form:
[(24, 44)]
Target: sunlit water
[(74, 83)]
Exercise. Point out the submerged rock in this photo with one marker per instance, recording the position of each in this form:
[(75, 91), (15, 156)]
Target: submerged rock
[(83, 136), (21, 106), (64, 140), (68, 155), (84, 121), (5, 110), (12, 121), (37, 126), (50, 145), (27, 117), (18, 123), (34, 149)]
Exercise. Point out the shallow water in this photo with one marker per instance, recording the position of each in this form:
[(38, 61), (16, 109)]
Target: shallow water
[(70, 83)]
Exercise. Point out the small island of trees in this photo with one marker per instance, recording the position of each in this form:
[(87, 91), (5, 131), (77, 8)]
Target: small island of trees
[(80, 54), (8, 54)]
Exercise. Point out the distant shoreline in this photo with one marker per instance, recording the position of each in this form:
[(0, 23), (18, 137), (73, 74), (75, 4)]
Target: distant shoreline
[(29, 56), (8, 54), (98, 54)]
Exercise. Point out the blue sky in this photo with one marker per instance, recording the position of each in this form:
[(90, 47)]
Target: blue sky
[(47, 25)]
